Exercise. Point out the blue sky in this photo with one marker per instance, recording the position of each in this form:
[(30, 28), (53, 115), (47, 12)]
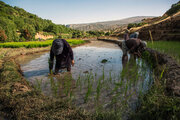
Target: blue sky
[(86, 11)]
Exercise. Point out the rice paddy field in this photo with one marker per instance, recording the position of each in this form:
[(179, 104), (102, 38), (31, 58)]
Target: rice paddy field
[(90, 94), (35, 44), (172, 48)]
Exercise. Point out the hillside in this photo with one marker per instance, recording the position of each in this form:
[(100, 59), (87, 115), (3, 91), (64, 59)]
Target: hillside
[(18, 25), (166, 27), (108, 25)]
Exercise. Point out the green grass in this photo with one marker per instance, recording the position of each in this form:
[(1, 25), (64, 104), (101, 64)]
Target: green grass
[(157, 105), (172, 48), (35, 44)]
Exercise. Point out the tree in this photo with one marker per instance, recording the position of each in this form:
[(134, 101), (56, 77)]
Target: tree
[(10, 29), (19, 25), (3, 36), (52, 28), (107, 33), (28, 32)]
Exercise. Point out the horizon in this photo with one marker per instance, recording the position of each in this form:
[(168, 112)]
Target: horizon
[(94, 11)]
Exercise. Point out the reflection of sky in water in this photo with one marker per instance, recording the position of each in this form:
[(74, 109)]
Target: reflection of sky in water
[(89, 59), (86, 59)]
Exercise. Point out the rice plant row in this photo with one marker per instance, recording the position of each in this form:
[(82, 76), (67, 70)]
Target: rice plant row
[(35, 44)]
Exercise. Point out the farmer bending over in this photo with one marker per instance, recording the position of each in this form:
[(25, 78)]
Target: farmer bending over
[(63, 53), (134, 46)]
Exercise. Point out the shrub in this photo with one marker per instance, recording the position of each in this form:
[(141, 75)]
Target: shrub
[(136, 24)]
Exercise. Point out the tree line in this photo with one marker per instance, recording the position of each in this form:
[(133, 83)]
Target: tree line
[(18, 25)]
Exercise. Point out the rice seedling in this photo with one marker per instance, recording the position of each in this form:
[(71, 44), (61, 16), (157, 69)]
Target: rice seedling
[(38, 85), (89, 90), (108, 91)]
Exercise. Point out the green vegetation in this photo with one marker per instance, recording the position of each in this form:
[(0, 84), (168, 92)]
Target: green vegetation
[(17, 25), (156, 103), (174, 9), (96, 33), (34, 44), (168, 47), (135, 25)]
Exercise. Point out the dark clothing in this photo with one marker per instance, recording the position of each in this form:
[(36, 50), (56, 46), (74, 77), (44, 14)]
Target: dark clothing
[(126, 36), (133, 44), (64, 59)]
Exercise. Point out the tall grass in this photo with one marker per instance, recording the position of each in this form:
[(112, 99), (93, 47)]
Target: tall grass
[(172, 48), (35, 44)]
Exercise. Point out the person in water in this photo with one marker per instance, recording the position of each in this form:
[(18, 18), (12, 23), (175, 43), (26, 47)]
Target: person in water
[(63, 53), (132, 44)]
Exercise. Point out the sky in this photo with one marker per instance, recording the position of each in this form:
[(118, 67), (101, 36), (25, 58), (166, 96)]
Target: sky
[(88, 11)]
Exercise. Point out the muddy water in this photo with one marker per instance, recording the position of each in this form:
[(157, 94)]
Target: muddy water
[(99, 79)]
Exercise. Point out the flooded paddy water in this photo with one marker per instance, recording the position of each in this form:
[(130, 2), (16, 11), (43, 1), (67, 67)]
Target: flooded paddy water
[(98, 80)]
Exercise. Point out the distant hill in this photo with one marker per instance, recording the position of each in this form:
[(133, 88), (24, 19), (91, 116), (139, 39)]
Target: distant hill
[(108, 25)]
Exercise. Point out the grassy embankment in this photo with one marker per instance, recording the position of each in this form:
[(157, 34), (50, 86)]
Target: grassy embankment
[(157, 104), (172, 48)]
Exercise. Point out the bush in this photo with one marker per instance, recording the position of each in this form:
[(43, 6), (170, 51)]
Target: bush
[(136, 25)]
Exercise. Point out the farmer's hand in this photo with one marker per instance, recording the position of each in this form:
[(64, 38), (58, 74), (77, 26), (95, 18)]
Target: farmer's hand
[(72, 62), (138, 54)]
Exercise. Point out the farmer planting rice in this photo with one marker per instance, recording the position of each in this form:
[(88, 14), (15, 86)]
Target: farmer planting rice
[(134, 45), (63, 53)]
